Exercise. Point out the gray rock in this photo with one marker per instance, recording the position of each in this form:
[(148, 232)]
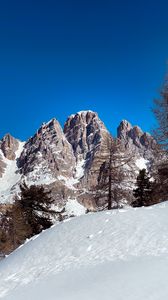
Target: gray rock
[(9, 145)]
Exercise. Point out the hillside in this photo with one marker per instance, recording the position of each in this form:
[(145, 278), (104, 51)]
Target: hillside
[(118, 254)]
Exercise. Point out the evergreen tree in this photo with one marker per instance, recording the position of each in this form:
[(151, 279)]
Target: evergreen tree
[(19, 228), (6, 241), (35, 204), (143, 192)]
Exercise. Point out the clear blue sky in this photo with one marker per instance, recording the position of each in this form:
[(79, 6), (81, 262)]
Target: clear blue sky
[(60, 57)]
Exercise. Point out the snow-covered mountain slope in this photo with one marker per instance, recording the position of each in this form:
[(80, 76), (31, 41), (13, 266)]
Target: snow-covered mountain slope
[(119, 254), (11, 176)]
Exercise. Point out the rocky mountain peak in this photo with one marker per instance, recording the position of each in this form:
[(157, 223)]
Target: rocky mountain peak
[(84, 131), (47, 152), (9, 145), (123, 129), (135, 132), (48, 128), (134, 138)]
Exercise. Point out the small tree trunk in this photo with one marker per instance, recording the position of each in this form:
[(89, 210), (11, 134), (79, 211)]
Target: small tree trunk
[(110, 181)]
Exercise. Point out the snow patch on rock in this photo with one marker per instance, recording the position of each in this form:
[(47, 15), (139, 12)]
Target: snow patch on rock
[(142, 163), (73, 207), (40, 175), (80, 169), (10, 177), (70, 182)]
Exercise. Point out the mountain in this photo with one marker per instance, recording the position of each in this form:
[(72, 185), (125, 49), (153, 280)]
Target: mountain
[(118, 254), (70, 161), (134, 138)]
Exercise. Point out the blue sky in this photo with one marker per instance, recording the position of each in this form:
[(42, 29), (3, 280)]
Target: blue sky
[(60, 57)]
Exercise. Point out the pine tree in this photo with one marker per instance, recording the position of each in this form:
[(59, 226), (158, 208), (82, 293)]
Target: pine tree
[(6, 241), (35, 204), (19, 228), (143, 192)]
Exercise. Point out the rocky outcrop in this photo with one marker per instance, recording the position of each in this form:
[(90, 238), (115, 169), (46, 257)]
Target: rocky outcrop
[(84, 131), (47, 153), (9, 145), (2, 166), (89, 137), (135, 139)]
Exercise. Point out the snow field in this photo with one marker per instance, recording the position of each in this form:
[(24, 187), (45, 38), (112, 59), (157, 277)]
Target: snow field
[(121, 251)]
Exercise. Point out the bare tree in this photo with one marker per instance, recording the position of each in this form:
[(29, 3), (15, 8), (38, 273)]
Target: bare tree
[(161, 134), (161, 114), (112, 175)]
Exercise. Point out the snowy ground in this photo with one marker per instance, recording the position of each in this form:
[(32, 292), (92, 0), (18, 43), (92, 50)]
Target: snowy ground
[(121, 254)]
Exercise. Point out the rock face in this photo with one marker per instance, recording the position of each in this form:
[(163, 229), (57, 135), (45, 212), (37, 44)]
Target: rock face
[(89, 137), (2, 166), (133, 137), (84, 131), (9, 145), (47, 154)]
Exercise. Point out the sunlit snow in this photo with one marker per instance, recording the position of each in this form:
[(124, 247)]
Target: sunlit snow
[(73, 207), (118, 254), (141, 163)]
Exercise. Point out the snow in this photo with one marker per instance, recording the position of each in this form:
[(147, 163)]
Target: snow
[(80, 169), (82, 112), (11, 176), (85, 112), (73, 207), (118, 254), (141, 163), (70, 182), (40, 175)]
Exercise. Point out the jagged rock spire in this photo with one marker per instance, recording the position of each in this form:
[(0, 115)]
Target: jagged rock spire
[(9, 145)]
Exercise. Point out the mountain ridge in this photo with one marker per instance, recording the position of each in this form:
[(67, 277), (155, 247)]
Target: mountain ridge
[(68, 160)]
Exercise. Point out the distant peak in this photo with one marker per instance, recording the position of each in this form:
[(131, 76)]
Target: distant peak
[(123, 128), (8, 137), (9, 145), (137, 130)]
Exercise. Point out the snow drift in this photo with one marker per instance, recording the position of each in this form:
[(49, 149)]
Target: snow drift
[(118, 254)]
